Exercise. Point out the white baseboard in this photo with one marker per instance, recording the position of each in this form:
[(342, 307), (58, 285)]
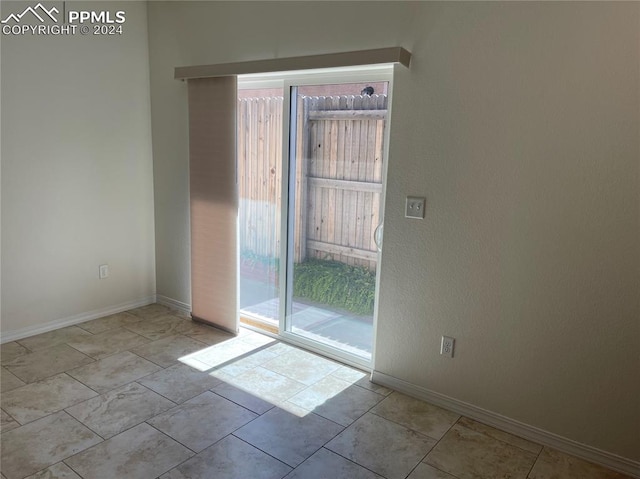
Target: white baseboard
[(173, 303), (569, 446), (22, 333)]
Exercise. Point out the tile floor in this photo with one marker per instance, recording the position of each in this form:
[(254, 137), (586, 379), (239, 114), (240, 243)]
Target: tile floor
[(150, 394)]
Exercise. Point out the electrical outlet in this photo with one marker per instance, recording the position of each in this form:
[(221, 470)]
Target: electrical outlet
[(103, 271), (446, 346), (414, 207)]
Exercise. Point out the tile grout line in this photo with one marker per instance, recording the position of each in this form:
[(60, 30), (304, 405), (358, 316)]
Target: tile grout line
[(437, 440), (146, 359), (215, 442), (85, 385), (344, 428), (7, 413), (407, 427), (352, 461), (55, 374), (87, 426), (264, 452), (76, 349), (122, 385), (238, 404), (497, 439), (76, 472), (59, 410), (535, 461), (126, 429), (491, 437), (195, 453), (310, 412)]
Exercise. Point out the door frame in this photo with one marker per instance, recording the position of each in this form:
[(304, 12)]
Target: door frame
[(288, 80)]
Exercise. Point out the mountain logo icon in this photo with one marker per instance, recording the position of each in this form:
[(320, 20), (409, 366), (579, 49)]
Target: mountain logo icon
[(39, 11)]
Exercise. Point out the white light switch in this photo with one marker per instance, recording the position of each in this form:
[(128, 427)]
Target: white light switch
[(103, 271), (414, 207)]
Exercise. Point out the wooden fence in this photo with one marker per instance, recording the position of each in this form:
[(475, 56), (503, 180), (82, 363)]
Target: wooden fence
[(339, 161), (259, 154)]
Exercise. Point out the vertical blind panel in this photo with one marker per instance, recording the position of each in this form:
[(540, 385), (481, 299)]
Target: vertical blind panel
[(214, 201)]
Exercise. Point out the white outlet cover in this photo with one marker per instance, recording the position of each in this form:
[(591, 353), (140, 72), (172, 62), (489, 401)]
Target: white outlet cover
[(414, 207), (446, 346)]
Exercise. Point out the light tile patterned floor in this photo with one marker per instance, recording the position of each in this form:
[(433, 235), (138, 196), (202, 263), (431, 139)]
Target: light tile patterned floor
[(150, 394)]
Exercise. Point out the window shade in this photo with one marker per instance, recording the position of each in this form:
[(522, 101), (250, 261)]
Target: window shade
[(214, 201), (329, 60)]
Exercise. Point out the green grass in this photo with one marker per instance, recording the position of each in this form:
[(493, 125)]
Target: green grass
[(336, 284), (326, 282)]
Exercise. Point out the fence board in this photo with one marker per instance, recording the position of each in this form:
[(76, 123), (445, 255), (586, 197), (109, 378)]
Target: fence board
[(259, 178), (348, 115), (342, 250), (301, 196), (370, 187)]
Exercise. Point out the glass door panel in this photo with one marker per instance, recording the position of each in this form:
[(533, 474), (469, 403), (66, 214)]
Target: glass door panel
[(337, 134), (259, 161)]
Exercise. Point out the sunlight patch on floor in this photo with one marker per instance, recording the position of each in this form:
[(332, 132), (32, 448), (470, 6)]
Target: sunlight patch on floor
[(273, 371)]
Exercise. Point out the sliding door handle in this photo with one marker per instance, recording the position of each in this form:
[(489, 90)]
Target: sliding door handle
[(377, 236)]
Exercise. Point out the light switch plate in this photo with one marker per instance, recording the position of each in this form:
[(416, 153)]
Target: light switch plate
[(415, 207), (103, 271)]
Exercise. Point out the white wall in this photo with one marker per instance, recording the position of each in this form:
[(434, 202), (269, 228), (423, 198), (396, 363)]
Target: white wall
[(77, 175), (520, 124)]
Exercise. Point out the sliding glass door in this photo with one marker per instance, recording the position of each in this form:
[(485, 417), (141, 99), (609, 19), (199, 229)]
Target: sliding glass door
[(259, 152), (308, 256)]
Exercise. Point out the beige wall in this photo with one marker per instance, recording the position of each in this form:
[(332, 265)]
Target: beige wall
[(77, 186), (520, 124), (525, 139)]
